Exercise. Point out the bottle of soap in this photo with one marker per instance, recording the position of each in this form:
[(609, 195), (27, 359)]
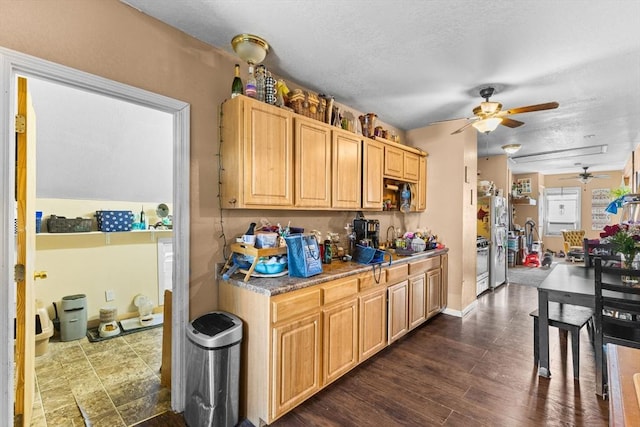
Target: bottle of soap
[(327, 252), (143, 220)]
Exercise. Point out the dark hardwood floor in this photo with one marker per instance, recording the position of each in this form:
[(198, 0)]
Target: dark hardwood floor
[(473, 371)]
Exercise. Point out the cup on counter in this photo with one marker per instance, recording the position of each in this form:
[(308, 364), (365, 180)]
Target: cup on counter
[(249, 239)]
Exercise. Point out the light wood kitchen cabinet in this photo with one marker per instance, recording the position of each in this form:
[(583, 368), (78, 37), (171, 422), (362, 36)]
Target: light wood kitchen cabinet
[(444, 291), (340, 339), (401, 164), (313, 148), (398, 316), (347, 166), (434, 292), (256, 155), (411, 167), (372, 174), (373, 322), (393, 162), (417, 300), (421, 204), (297, 342), (296, 358)]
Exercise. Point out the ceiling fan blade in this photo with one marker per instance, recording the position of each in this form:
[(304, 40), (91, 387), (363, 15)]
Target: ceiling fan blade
[(462, 128), (600, 176), (510, 123), (571, 177), (530, 108)]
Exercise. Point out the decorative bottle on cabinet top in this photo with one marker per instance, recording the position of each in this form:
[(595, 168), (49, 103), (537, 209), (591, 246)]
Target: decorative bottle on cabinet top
[(251, 90), (237, 86)]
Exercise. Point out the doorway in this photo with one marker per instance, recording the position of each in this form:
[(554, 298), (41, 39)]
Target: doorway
[(16, 64)]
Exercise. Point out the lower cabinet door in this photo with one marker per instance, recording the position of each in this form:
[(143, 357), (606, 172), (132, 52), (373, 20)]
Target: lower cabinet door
[(398, 310), (434, 289), (373, 323), (340, 339), (417, 300), (296, 359)]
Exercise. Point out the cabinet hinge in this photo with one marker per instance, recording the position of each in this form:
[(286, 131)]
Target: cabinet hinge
[(18, 273), (21, 123)]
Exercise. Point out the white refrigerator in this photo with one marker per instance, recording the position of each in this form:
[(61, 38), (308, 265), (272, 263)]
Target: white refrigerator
[(492, 224)]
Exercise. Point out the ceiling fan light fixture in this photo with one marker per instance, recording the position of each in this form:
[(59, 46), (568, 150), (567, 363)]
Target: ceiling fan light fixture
[(489, 107), (511, 148), (250, 48), (487, 125)]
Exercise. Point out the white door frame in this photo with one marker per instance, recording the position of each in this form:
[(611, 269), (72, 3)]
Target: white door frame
[(14, 63)]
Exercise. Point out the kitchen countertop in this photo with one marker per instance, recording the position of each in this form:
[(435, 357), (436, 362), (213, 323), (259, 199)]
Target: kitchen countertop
[(335, 270)]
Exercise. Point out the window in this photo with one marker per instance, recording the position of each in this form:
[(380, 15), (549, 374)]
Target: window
[(561, 210)]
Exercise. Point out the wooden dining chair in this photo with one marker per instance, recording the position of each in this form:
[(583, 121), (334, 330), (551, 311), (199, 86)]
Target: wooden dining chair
[(617, 313)]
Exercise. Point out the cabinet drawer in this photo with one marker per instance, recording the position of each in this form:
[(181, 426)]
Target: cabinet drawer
[(293, 304), (397, 273), (339, 289), (368, 279), (424, 265)]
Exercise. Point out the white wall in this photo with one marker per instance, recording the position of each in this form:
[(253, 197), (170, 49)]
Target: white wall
[(95, 147)]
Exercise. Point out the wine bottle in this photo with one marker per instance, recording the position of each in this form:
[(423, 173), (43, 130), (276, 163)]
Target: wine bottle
[(251, 89), (237, 86), (250, 230)]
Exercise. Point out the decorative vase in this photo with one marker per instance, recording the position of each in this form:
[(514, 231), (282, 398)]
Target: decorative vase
[(630, 262)]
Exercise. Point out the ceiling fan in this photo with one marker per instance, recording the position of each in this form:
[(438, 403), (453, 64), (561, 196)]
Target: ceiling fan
[(488, 115), (585, 176)]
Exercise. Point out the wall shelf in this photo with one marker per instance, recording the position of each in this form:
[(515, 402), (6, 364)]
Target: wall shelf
[(107, 235), (524, 201)]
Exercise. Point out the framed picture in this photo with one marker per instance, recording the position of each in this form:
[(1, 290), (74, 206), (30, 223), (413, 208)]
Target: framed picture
[(524, 185)]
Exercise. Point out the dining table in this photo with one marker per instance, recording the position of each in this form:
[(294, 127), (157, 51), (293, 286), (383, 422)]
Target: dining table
[(566, 284)]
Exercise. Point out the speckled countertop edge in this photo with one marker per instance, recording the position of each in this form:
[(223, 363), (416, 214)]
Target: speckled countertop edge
[(338, 270)]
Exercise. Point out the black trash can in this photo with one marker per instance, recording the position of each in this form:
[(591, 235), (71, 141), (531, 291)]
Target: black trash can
[(213, 370)]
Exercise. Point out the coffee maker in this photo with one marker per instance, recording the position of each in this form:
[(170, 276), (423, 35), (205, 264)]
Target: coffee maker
[(367, 231)]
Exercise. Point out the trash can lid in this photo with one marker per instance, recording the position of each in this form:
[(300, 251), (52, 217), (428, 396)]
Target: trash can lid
[(215, 330), (72, 297), (213, 323)]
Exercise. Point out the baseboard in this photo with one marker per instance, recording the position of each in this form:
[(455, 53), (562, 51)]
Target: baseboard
[(464, 312)]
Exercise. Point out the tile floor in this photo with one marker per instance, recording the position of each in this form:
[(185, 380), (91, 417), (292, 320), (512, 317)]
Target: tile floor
[(116, 381)]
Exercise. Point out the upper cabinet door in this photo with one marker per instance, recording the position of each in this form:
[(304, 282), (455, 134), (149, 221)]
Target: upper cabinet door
[(347, 166), (422, 185), (268, 155), (313, 164), (372, 174), (393, 162), (411, 169)]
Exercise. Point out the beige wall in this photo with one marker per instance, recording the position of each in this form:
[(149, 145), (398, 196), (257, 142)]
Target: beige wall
[(451, 202), (112, 40), (496, 169), (556, 181)]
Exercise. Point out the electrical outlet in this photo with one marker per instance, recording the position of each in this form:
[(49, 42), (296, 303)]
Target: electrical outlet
[(109, 295)]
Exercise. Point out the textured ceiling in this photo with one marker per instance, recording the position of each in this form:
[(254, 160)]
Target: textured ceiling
[(415, 62)]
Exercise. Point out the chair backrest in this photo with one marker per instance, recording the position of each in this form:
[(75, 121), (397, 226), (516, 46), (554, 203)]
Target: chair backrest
[(573, 237), (617, 305), (593, 248)]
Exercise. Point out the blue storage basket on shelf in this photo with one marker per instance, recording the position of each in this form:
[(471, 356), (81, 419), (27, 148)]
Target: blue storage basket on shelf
[(109, 221)]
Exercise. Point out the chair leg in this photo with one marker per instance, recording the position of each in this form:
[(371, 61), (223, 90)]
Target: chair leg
[(536, 344), (575, 350)]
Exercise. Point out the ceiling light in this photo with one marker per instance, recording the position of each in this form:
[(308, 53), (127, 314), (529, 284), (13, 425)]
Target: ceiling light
[(585, 180), (561, 154), (487, 125), (489, 107), (251, 49), (511, 148)]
